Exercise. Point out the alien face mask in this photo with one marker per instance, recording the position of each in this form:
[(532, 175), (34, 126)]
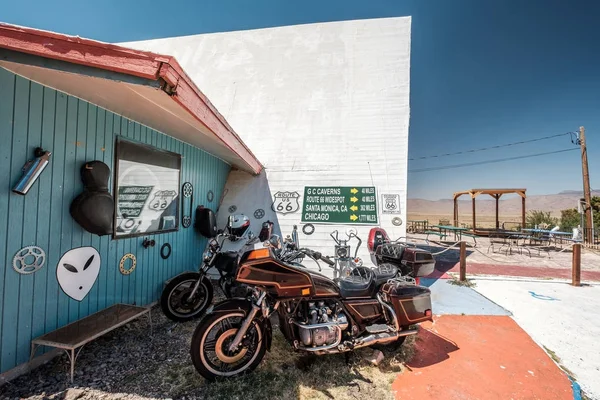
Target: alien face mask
[(77, 271)]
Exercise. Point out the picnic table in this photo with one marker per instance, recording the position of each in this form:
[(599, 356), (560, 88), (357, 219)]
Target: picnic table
[(545, 235), (444, 231), (417, 225)]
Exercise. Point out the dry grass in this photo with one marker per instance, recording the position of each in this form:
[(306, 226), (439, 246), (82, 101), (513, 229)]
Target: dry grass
[(456, 281), (285, 374)]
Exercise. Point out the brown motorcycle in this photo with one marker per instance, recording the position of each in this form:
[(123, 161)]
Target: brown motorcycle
[(316, 314)]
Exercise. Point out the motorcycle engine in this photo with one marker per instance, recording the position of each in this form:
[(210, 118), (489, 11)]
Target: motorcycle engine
[(320, 313)]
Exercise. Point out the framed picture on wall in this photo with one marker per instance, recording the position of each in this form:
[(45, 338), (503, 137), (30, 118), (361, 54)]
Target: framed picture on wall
[(146, 190)]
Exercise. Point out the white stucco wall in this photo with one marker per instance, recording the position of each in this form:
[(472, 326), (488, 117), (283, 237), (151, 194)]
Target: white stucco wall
[(319, 104)]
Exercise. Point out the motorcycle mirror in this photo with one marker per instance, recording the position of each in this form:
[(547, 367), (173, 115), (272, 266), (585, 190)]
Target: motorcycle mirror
[(351, 232), (295, 238)]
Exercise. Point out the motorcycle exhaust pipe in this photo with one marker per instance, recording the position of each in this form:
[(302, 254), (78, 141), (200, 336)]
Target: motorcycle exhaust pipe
[(367, 341), (31, 171), (384, 338)]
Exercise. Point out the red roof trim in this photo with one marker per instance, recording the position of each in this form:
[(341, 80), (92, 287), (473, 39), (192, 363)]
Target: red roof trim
[(142, 64)]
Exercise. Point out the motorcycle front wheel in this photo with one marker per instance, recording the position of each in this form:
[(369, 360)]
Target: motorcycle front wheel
[(176, 302), (210, 346)]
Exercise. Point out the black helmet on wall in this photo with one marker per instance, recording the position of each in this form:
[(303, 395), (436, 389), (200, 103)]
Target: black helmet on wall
[(238, 225)]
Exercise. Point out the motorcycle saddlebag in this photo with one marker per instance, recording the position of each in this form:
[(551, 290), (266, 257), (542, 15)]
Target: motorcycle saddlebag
[(206, 222), (411, 303)]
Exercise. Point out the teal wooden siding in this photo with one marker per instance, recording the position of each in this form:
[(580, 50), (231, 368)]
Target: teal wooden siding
[(76, 131)]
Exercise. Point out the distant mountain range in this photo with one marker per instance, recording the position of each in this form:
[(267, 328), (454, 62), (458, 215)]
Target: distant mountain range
[(509, 206)]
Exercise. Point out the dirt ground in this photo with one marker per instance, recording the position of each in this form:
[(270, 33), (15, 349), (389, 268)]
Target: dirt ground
[(129, 363), (528, 257)]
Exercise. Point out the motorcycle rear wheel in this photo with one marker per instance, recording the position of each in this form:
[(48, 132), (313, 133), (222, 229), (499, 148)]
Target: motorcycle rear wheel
[(212, 337), (174, 300)]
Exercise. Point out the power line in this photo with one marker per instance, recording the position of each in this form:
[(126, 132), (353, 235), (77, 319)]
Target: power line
[(489, 161), (493, 147)]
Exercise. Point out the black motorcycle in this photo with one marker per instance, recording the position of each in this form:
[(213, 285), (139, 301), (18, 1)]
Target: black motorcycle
[(317, 315), (398, 258), (187, 295)]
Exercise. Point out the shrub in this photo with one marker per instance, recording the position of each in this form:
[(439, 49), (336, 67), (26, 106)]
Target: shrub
[(569, 219), (543, 219)]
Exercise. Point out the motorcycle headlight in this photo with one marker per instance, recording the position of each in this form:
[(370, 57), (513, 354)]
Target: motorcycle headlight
[(207, 255), (342, 252)]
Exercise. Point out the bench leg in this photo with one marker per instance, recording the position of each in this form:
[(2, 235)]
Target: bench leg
[(73, 358), (33, 350), (150, 321)]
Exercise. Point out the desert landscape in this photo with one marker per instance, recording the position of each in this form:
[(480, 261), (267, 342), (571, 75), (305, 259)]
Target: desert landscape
[(510, 208)]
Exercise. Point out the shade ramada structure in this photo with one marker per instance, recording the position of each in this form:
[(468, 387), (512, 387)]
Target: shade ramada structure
[(496, 194)]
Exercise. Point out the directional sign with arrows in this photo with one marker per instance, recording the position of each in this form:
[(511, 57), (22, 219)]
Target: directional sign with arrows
[(340, 205)]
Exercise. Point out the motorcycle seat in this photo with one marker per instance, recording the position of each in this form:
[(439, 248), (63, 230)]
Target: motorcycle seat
[(384, 272), (357, 286)]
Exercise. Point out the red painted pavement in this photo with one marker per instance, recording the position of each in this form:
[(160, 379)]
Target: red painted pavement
[(443, 267), (479, 357)]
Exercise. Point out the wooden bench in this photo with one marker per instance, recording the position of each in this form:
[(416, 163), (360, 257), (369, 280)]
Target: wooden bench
[(77, 334), (471, 236), (441, 235)]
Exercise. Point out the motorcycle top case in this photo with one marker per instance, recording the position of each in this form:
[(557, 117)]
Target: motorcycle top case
[(411, 303), (206, 222), (420, 261)]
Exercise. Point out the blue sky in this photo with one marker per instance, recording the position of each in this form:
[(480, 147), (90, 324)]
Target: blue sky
[(483, 73)]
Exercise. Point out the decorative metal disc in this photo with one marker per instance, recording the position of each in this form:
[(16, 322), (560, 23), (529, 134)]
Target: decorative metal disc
[(259, 213), (187, 189), (308, 229), (187, 221), (29, 259), (122, 264), (210, 196), (232, 209), (397, 221)]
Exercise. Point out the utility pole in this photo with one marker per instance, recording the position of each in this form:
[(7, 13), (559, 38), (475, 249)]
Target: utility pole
[(589, 224)]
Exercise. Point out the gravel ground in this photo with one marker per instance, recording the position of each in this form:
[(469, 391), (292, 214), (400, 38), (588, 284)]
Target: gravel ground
[(129, 363)]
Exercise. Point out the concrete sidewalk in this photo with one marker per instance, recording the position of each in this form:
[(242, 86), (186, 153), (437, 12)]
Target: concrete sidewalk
[(560, 317)]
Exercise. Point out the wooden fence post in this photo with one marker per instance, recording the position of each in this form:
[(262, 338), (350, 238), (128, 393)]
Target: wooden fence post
[(576, 273), (463, 261)]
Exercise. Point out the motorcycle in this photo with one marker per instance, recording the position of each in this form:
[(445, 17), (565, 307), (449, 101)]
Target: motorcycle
[(398, 258), (345, 263), (187, 295), (317, 315)]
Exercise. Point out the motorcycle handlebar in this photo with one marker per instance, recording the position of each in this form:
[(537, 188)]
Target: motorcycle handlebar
[(327, 260)]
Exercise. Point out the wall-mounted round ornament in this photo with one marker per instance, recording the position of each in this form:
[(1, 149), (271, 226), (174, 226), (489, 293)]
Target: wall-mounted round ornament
[(165, 251), (124, 259), (210, 195), (308, 229), (397, 221), (232, 209), (259, 213), (29, 259)]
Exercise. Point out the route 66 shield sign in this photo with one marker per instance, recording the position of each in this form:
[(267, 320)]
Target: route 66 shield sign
[(285, 202), (390, 203)]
